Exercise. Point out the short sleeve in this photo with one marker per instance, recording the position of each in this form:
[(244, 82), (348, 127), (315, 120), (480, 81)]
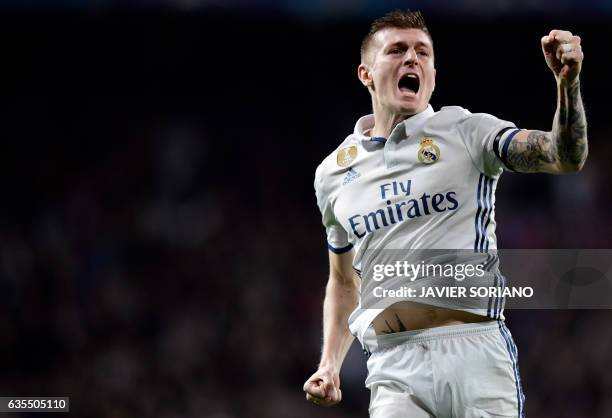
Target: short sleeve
[(337, 238), (484, 136)]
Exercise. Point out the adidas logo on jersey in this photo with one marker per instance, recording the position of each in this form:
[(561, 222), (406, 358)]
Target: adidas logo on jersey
[(351, 175)]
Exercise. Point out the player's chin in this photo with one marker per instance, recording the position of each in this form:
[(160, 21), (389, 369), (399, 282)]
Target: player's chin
[(408, 107), (408, 102)]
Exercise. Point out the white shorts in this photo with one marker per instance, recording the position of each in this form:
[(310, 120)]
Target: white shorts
[(457, 371)]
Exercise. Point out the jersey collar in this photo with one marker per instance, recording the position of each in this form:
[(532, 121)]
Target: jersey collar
[(365, 123)]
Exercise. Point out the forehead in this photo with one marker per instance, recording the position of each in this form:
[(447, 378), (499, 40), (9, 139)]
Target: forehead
[(390, 36)]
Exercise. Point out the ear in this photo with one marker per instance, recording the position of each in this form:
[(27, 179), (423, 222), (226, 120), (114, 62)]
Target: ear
[(364, 75)]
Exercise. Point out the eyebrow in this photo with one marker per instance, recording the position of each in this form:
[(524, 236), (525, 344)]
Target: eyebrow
[(418, 44)]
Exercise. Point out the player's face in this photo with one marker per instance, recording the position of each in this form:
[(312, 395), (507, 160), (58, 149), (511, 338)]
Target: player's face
[(402, 70)]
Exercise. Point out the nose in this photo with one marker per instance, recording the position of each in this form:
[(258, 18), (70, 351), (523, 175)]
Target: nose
[(411, 57)]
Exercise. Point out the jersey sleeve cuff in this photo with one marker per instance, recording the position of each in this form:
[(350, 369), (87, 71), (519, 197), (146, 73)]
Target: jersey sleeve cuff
[(502, 143), (339, 250)]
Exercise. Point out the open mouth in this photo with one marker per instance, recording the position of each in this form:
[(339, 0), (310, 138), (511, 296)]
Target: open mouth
[(409, 83)]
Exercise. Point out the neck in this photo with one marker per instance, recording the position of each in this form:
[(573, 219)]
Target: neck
[(385, 120), (384, 124)]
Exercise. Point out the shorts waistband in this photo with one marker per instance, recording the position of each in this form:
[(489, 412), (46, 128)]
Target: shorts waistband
[(437, 333)]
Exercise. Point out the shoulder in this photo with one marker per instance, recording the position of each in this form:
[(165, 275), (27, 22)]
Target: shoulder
[(460, 114), (453, 112), (448, 117), (329, 167), (464, 120)]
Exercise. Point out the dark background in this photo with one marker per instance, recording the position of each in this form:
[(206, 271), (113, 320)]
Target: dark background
[(161, 253)]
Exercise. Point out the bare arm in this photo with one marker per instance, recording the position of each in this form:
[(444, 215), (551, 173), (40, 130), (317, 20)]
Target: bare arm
[(341, 298), (563, 149)]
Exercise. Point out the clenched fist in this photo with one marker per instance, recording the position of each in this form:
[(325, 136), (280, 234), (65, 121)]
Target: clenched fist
[(323, 387), (563, 54)]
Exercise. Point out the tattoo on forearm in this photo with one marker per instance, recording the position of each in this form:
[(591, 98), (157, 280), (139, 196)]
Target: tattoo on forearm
[(570, 127), (564, 146), (400, 326)]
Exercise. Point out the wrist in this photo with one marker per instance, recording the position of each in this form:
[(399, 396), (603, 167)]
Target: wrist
[(567, 84), (330, 364)]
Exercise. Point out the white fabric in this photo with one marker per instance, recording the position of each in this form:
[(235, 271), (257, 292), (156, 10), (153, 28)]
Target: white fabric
[(460, 371), (387, 197)]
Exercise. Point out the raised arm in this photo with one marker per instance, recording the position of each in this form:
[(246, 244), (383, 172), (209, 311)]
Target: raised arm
[(341, 298), (564, 149)]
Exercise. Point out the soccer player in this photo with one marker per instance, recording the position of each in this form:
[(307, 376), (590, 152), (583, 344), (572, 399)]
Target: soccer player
[(412, 177)]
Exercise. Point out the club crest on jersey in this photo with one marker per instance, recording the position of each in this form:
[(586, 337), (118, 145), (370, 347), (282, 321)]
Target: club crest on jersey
[(429, 152), (346, 155)]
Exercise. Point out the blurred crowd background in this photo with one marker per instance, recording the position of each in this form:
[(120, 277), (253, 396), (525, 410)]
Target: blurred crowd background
[(161, 252)]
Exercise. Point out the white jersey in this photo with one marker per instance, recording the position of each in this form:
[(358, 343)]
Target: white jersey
[(430, 185)]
